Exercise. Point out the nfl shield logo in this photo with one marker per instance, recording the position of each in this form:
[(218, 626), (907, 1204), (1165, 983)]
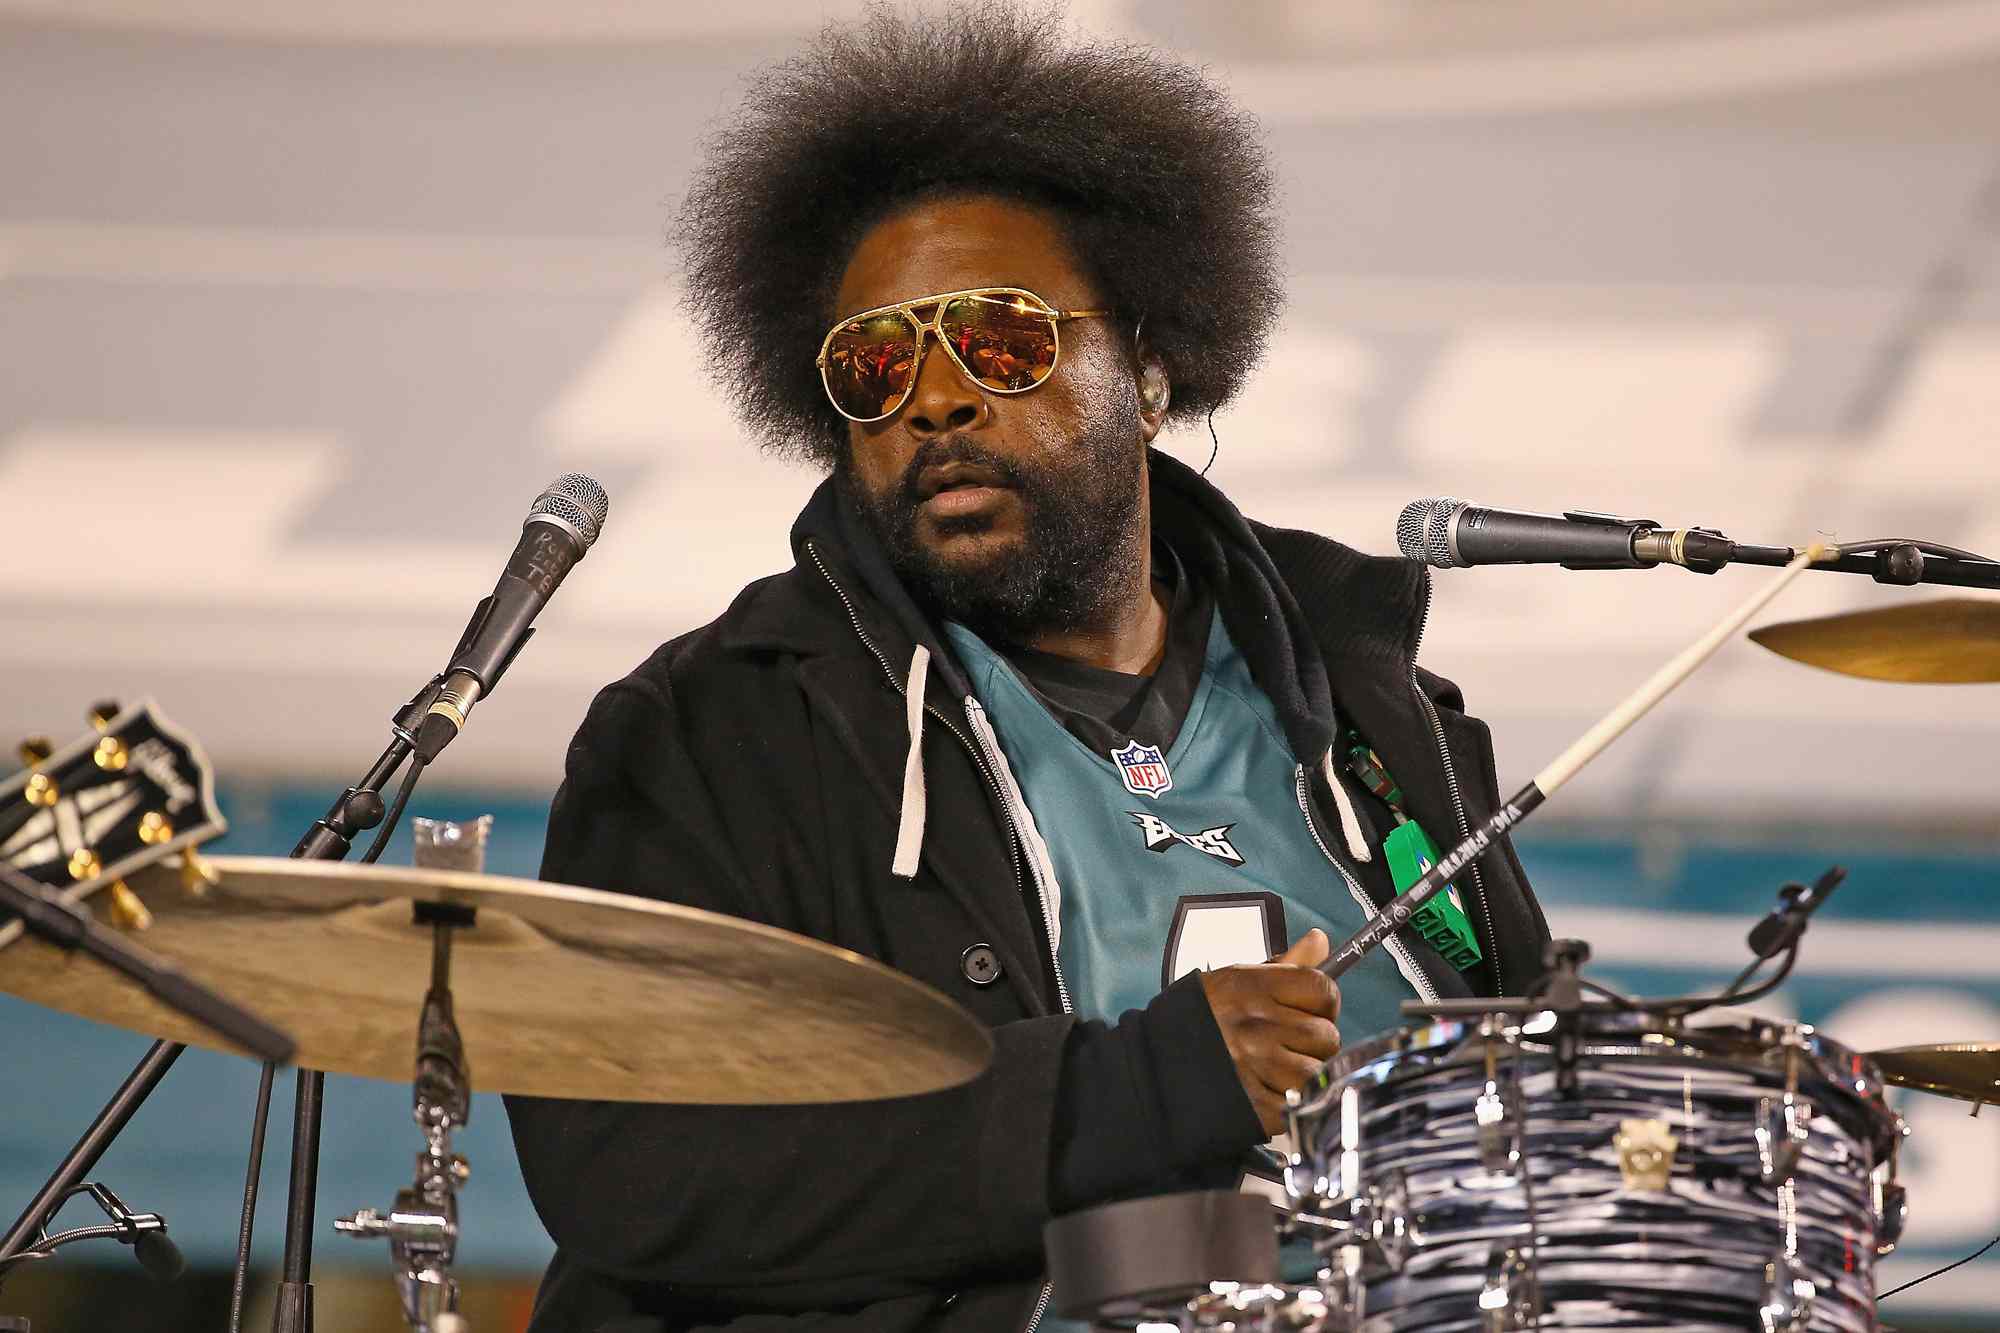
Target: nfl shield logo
[(1144, 769)]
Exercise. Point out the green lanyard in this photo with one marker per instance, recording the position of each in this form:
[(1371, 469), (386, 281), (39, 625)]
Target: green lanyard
[(1410, 852)]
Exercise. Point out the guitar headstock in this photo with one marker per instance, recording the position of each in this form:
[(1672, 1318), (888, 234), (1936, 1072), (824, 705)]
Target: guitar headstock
[(131, 791)]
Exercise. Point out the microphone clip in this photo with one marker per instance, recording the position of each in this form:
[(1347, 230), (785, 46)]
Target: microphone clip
[(146, 1233), (1641, 527)]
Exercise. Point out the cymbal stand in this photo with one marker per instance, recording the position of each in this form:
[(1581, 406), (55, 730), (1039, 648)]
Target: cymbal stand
[(422, 1226)]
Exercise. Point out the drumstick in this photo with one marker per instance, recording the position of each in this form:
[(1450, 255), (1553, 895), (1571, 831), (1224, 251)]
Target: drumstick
[(1561, 769)]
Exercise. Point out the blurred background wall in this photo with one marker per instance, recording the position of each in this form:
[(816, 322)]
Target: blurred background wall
[(300, 305)]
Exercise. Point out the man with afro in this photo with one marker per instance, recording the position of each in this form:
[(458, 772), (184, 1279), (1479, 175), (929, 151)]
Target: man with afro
[(972, 267)]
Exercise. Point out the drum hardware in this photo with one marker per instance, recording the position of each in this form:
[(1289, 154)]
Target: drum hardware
[(1383, 1224), (1891, 1203), (1344, 1295), (1301, 1183), (1264, 1307), (1562, 993), (1788, 1300), (1645, 1154), (1496, 1114), (1783, 1127), (422, 1227), (1507, 1300)]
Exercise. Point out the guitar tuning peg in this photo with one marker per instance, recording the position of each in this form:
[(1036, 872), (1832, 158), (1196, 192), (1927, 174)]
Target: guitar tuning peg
[(41, 788), (102, 712), (126, 910), (197, 875), (155, 828), (83, 864), (111, 754)]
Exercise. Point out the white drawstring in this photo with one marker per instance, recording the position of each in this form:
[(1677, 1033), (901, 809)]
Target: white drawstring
[(1350, 822), (910, 828)]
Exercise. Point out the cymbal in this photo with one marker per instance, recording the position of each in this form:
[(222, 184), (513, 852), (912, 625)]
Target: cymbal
[(1945, 641), (1968, 1070), (559, 991)]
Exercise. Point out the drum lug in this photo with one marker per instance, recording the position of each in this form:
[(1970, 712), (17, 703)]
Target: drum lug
[(1379, 1220), (1783, 1128), (1892, 1210), (1345, 1293), (1788, 1298), (1508, 1301), (1499, 1131)]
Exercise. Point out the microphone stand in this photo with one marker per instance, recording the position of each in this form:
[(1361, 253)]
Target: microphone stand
[(356, 810), (1900, 561), (69, 925)]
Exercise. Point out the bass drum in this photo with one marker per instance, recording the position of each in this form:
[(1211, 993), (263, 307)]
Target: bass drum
[(1614, 1171)]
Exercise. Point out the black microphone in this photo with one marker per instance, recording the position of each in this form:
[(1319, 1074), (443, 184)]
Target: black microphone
[(1448, 533), (1796, 902), (158, 1255), (561, 525)]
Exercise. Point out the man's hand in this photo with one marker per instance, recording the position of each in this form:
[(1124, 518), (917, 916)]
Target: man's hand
[(1277, 1019)]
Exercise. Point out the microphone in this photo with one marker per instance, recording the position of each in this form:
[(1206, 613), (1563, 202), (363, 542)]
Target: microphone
[(1786, 922), (561, 526), (1448, 533), (158, 1255)]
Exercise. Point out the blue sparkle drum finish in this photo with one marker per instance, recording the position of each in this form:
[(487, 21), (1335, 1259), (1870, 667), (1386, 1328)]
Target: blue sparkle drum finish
[(1628, 1172)]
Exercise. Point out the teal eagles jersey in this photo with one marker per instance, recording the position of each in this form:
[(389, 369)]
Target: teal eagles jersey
[(1197, 858)]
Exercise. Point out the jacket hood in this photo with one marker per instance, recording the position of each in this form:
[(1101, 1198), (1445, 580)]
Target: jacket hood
[(1376, 600)]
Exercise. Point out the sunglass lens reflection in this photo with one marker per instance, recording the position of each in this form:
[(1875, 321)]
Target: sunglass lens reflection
[(868, 364), (1005, 343)]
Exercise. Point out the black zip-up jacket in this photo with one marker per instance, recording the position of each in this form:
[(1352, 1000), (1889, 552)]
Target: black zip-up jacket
[(756, 767)]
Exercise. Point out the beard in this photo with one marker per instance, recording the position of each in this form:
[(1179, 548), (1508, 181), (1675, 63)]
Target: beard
[(1081, 527)]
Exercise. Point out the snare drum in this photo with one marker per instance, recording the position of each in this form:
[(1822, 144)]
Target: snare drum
[(1617, 1171)]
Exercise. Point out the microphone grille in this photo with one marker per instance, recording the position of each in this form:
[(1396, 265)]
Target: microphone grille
[(1423, 531), (578, 501)]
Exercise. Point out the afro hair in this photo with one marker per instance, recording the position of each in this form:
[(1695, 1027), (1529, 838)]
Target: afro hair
[(1160, 182)]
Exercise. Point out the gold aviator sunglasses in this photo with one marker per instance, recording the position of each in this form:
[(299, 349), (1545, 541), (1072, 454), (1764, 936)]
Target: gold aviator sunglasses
[(1005, 339)]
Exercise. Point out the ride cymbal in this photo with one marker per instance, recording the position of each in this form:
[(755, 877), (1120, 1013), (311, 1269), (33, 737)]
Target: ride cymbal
[(559, 991), (1968, 1070), (1946, 641)]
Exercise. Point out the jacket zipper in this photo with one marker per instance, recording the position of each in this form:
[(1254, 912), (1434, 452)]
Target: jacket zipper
[(979, 759), (1485, 915), (1041, 1308), (1418, 979), (1013, 829)]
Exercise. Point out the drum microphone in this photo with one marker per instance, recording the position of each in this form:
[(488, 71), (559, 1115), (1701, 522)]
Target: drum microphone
[(1787, 921), (158, 1255), (1448, 533), (561, 526)]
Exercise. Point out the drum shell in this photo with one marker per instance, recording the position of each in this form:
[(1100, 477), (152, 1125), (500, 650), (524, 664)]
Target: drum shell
[(1392, 1126)]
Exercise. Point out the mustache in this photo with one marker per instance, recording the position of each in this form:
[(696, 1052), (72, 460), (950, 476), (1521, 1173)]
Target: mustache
[(954, 449)]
